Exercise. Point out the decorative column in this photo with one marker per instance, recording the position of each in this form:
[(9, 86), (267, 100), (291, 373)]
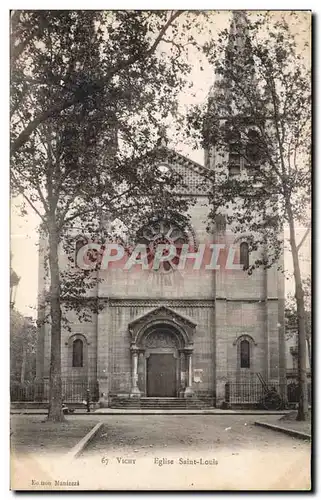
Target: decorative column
[(182, 373), (135, 392), (141, 372), (189, 391)]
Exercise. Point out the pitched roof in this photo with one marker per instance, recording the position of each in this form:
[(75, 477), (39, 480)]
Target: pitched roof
[(195, 179)]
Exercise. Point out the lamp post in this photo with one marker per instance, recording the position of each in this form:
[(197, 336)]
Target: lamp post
[(14, 281)]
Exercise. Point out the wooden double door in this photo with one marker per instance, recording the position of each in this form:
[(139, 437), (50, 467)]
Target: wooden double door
[(161, 375)]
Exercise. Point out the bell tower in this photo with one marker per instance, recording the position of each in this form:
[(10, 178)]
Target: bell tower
[(237, 60), (249, 308)]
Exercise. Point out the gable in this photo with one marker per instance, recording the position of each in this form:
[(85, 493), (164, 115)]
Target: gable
[(159, 313), (192, 173)]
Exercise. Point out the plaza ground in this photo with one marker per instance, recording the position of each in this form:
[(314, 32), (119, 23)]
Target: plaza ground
[(32, 434), (158, 452), (289, 421)]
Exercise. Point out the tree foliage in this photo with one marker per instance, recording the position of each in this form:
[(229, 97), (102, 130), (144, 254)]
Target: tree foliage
[(23, 338), (90, 90)]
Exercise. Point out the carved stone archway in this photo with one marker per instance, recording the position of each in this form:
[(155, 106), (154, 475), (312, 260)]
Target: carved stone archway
[(162, 331)]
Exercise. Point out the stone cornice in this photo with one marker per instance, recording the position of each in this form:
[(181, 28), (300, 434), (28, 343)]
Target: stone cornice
[(247, 299), (160, 302), (133, 302)]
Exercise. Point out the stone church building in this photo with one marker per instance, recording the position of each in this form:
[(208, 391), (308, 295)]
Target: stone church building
[(177, 334)]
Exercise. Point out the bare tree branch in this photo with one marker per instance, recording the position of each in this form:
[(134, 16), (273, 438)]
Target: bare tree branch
[(22, 191)]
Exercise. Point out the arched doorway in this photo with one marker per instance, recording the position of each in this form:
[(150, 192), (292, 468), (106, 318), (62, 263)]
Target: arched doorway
[(161, 348), (161, 353)]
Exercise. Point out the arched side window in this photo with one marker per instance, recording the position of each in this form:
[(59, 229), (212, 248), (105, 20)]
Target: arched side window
[(77, 353), (245, 345), (245, 358), (244, 255)]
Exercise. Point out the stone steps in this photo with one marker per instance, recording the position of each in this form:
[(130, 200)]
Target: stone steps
[(161, 403)]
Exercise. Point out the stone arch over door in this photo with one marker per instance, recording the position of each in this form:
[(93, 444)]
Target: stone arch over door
[(160, 374), (161, 349)]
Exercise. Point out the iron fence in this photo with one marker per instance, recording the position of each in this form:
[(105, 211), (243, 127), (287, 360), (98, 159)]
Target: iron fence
[(72, 391), (247, 392), (254, 393), (293, 392), (22, 392)]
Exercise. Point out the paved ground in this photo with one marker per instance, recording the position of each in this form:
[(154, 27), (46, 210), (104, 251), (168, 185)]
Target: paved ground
[(32, 434), (158, 452), (288, 424)]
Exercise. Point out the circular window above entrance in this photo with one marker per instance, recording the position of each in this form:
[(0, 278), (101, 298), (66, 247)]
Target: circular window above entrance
[(164, 232)]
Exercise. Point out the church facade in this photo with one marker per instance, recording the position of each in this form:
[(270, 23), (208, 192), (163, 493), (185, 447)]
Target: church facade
[(174, 333), (178, 333)]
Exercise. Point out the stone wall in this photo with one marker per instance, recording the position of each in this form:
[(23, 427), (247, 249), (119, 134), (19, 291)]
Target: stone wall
[(116, 318)]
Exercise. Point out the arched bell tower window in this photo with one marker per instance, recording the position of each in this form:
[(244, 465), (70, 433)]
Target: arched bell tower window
[(234, 160), (245, 354), (77, 353), (244, 255), (252, 151)]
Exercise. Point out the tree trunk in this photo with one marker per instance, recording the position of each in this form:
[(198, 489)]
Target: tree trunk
[(55, 412), (299, 297), (309, 351)]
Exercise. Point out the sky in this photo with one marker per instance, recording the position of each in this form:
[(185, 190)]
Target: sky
[(24, 237)]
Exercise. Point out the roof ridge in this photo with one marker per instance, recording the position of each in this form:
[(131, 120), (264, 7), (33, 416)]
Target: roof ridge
[(184, 158)]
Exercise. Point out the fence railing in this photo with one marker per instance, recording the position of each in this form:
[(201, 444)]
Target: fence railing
[(293, 392), (254, 393), (73, 391), (76, 391), (247, 392)]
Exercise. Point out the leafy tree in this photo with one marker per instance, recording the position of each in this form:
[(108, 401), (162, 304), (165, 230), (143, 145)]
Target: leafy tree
[(89, 91), (23, 337), (125, 38), (258, 122)]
